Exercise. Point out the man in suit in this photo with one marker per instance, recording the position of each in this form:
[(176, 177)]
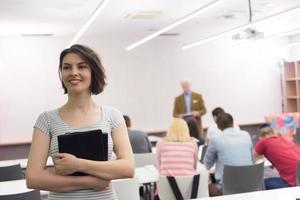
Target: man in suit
[(189, 104)]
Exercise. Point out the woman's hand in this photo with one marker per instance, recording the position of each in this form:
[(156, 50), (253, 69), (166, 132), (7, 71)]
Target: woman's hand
[(65, 164), (99, 184)]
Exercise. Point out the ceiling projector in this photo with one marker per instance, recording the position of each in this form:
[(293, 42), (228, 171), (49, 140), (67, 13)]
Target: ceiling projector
[(247, 34)]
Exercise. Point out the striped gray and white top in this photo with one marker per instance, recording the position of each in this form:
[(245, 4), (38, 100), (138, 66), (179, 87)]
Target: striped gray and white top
[(52, 124)]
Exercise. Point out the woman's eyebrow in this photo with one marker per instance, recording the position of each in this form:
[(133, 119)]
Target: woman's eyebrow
[(76, 63), (81, 63)]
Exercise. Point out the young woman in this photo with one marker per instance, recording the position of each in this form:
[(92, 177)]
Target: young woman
[(177, 153), (82, 75), (194, 130)]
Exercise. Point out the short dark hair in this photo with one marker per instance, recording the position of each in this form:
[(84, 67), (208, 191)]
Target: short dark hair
[(92, 59), (265, 129), (264, 125), (215, 112), (193, 127), (224, 121), (127, 121)]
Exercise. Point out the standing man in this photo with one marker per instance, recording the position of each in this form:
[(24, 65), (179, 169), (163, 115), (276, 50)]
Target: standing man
[(189, 104)]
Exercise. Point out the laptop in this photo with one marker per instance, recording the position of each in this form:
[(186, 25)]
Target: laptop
[(204, 149), (91, 145)]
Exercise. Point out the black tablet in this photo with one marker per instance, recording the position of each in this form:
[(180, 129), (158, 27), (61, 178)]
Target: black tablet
[(91, 145)]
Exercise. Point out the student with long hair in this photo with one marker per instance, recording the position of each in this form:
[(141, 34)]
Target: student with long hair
[(177, 153)]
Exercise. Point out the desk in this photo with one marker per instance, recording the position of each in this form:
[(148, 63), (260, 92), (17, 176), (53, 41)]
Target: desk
[(147, 174), (290, 193), (16, 187), (13, 187), (23, 162)]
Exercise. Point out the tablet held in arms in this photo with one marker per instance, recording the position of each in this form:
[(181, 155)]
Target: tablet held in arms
[(91, 145)]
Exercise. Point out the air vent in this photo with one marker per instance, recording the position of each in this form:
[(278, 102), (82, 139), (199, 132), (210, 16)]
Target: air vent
[(37, 35), (233, 15), (144, 15), (169, 34)]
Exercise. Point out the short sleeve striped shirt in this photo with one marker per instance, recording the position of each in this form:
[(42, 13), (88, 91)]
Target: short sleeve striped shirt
[(177, 158), (51, 123)]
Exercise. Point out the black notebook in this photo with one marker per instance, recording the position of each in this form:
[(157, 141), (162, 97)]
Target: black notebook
[(91, 145)]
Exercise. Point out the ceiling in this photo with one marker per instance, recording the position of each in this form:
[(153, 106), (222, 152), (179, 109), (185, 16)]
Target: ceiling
[(139, 18)]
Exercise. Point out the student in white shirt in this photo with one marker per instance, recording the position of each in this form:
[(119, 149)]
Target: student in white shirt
[(213, 129)]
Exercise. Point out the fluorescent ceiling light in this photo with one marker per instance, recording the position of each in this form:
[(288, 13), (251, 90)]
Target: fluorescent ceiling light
[(287, 33), (270, 37), (237, 29), (89, 22), (291, 44), (182, 20)]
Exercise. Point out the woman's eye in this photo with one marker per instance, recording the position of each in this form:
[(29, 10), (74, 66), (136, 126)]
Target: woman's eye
[(82, 66), (65, 67)]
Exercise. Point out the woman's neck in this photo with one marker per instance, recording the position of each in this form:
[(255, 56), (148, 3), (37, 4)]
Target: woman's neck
[(79, 102)]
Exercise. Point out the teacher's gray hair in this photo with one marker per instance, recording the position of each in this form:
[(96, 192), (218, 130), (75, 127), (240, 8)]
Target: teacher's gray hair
[(185, 80)]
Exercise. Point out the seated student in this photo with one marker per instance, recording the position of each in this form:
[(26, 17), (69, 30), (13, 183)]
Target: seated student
[(138, 139), (213, 129), (283, 154), (194, 130), (177, 153), (231, 147)]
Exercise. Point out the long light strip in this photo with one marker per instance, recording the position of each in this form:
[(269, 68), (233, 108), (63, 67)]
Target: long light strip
[(274, 36), (237, 29), (291, 44), (89, 22), (182, 20), (292, 32)]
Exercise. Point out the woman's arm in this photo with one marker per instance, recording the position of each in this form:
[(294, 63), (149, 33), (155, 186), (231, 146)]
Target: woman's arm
[(123, 167), (38, 177)]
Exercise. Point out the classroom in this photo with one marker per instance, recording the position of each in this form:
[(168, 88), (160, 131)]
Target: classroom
[(163, 64)]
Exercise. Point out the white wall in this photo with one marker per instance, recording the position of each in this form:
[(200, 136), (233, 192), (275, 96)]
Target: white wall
[(29, 84), (142, 83), (295, 50)]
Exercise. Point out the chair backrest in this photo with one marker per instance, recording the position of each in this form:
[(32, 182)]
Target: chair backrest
[(297, 136), (298, 173), (239, 179), (184, 183), (31, 195), (142, 159), (12, 172), (203, 152), (127, 188)]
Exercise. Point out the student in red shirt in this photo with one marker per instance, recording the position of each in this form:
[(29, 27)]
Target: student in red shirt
[(283, 154)]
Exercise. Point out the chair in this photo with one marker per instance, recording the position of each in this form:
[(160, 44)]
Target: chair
[(239, 179), (142, 159), (127, 188), (297, 136), (12, 172), (298, 173), (31, 195), (184, 184)]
